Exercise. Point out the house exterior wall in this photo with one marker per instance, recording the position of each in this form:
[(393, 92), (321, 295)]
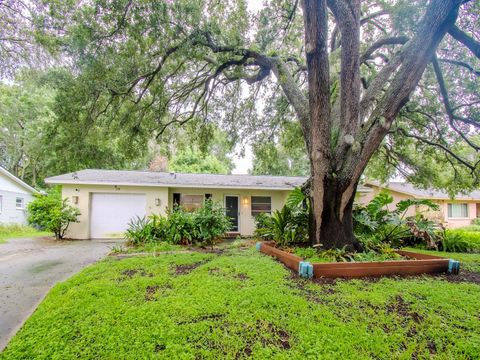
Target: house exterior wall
[(246, 220), (81, 230), (9, 192), (459, 222), (440, 216)]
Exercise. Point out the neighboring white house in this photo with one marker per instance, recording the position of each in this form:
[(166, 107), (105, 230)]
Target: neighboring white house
[(14, 197)]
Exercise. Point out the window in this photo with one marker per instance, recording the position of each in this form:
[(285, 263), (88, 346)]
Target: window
[(261, 204), (208, 196), (191, 202), (19, 203), (457, 210)]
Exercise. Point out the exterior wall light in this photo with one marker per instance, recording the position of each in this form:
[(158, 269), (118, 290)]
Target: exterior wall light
[(158, 202), (245, 200), (75, 199)]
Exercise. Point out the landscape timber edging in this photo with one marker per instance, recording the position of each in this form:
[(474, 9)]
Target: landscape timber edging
[(418, 264)]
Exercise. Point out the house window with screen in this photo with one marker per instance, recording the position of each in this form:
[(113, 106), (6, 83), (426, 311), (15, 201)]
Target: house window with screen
[(261, 204), (191, 202), (457, 210), (19, 203)]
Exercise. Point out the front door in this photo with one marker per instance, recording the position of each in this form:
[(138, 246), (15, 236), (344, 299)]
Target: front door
[(231, 208)]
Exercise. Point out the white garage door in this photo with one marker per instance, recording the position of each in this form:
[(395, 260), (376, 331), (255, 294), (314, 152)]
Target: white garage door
[(111, 213)]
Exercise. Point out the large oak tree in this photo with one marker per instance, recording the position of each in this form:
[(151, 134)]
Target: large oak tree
[(345, 68)]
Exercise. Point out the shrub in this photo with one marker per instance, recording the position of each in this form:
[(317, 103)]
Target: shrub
[(472, 228), (454, 242), (287, 226), (178, 226), (52, 213), (210, 223), (476, 222), (460, 240)]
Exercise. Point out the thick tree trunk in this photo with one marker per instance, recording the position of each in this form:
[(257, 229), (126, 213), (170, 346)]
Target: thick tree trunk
[(334, 227)]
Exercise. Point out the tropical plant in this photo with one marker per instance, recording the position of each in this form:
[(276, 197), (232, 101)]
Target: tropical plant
[(139, 231), (286, 226), (297, 199), (375, 222), (52, 213)]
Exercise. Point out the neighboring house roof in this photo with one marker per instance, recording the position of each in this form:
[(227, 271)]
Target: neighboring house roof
[(151, 178), (15, 179), (409, 189)]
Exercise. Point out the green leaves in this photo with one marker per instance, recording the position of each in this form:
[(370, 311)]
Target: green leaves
[(52, 213), (288, 226), (376, 222), (203, 226)]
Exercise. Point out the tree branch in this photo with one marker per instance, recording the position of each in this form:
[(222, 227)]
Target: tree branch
[(396, 40), (441, 146), (446, 102), (465, 39)]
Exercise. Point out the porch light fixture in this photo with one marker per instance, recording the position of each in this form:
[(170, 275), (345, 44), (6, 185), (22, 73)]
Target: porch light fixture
[(245, 200), (75, 199), (158, 202)]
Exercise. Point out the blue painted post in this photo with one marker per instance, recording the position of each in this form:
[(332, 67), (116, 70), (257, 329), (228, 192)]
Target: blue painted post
[(305, 269), (450, 265), (453, 266)]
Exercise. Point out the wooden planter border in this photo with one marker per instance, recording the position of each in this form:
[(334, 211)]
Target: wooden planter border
[(418, 264)]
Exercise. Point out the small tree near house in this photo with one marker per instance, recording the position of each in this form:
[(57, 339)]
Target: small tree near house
[(52, 213)]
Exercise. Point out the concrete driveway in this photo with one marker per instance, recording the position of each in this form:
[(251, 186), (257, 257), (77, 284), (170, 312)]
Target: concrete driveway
[(30, 267)]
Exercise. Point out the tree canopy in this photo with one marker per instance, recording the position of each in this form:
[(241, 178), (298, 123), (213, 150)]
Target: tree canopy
[(390, 83)]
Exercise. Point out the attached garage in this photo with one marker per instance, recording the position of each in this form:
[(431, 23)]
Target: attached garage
[(110, 213)]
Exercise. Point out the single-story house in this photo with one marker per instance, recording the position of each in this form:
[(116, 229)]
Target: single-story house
[(109, 199), (453, 213), (15, 195)]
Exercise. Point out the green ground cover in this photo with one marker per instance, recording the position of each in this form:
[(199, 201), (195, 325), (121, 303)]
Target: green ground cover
[(18, 231), (237, 303)]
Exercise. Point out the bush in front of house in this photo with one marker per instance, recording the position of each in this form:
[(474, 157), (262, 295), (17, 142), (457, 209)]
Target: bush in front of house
[(377, 223), (203, 226), (460, 240), (52, 213)]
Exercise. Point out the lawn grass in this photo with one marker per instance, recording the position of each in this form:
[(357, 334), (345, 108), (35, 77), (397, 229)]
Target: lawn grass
[(240, 303), (469, 262), (18, 231)]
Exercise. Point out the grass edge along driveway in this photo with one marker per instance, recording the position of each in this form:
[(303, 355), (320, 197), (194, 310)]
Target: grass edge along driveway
[(240, 304)]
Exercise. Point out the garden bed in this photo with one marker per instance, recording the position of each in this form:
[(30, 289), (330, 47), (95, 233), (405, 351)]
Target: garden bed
[(414, 265)]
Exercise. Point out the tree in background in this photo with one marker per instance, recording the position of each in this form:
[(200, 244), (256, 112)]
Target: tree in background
[(26, 110), (190, 161), (345, 69), (285, 155)]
